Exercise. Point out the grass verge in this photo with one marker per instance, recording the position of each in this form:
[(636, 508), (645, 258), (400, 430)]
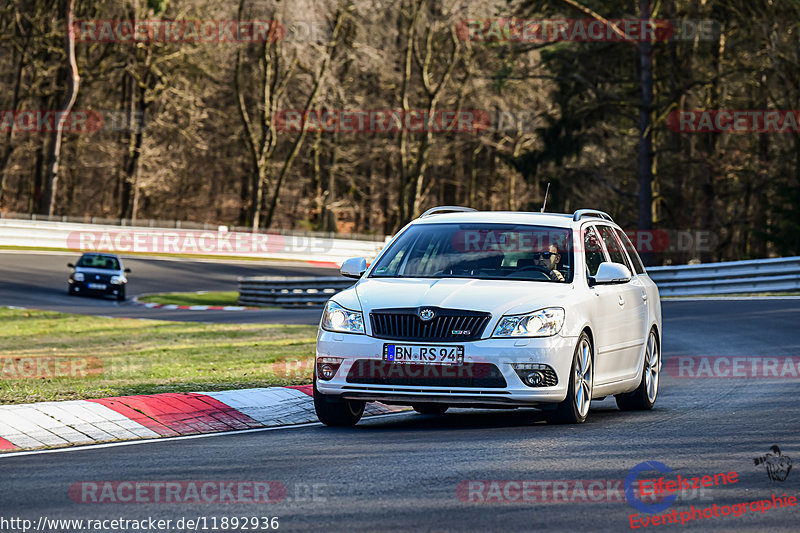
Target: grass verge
[(56, 356)]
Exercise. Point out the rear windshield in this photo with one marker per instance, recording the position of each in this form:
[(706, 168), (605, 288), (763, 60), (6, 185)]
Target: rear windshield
[(98, 261), (482, 251)]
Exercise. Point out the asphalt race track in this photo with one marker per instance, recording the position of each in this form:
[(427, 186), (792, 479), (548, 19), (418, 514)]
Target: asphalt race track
[(401, 472), (39, 281)]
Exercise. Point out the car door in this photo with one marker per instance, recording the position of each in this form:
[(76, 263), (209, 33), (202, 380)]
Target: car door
[(603, 312), (632, 309)]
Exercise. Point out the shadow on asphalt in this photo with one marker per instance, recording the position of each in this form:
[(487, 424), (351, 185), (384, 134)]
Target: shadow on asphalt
[(478, 419)]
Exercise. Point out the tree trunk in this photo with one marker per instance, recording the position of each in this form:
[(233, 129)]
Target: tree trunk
[(298, 143), (646, 130), (73, 80), (9, 148)]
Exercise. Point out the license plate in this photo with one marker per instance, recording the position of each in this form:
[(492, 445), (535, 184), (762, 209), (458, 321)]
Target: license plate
[(97, 286), (426, 354)]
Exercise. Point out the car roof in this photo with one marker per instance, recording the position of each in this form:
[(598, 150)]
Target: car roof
[(559, 220), (100, 254)]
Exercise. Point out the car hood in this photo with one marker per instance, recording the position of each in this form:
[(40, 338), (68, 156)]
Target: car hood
[(497, 297), (100, 271)]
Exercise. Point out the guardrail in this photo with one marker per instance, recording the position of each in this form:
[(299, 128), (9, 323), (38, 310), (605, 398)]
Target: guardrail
[(290, 292), (760, 275), (220, 241), (186, 225), (734, 277)]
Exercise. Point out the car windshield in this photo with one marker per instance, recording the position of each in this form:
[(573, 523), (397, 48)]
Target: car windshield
[(99, 261), (481, 251)]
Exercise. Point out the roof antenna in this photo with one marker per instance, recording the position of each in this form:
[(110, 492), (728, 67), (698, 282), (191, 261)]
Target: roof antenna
[(544, 204)]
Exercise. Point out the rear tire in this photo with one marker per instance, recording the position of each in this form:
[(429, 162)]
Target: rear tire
[(430, 408), (575, 407), (336, 411), (644, 397)]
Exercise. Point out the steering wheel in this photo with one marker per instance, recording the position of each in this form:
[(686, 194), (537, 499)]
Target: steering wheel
[(534, 268)]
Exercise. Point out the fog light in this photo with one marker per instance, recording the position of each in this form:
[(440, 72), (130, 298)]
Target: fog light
[(327, 367), (536, 374), (534, 379), (326, 371)]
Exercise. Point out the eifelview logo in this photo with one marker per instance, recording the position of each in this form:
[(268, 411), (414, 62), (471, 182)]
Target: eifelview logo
[(778, 465)]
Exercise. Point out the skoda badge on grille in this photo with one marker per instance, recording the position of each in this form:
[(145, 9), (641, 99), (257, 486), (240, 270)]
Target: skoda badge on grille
[(426, 314)]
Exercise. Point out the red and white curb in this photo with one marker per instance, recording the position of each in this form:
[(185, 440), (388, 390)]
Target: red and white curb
[(76, 422), (171, 307)]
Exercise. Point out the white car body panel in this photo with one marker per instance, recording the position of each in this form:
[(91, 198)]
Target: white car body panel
[(618, 318)]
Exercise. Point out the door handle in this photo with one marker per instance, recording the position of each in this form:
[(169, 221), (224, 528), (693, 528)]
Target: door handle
[(621, 301), (644, 296)]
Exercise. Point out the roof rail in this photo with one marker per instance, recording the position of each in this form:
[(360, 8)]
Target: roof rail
[(446, 209), (585, 213)]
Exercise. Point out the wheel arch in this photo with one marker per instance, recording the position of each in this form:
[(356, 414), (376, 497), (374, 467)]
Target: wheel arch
[(588, 330)]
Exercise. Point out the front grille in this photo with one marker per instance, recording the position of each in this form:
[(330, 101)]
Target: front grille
[(97, 278), (404, 324), (377, 372)]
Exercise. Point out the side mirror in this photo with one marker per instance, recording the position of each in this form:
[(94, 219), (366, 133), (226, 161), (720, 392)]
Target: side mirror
[(127, 271), (354, 267), (608, 273), (70, 265)]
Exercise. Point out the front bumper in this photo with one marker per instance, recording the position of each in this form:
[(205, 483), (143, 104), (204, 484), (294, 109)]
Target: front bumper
[(82, 287), (556, 352)]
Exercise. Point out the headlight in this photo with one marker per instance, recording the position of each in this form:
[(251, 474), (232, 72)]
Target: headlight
[(337, 318), (78, 276), (541, 323), (116, 280)]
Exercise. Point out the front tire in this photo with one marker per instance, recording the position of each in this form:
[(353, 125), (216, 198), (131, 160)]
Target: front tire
[(644, 397), (430, 408), (336, 411), (121, 295), (575, 407)]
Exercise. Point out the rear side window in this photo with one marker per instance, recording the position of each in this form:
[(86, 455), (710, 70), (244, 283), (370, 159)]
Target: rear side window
[(613, 246), (593, 250), (635, 259)]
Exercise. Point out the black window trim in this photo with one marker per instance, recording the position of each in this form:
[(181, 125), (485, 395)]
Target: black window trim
[(621, 247), (633, 263), (584, 229)]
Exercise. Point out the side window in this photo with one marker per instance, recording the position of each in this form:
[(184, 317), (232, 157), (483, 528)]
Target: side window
[(592, 250), (613, 247), (626, 242)]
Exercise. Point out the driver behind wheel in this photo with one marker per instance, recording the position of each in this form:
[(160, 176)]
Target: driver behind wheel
[(549, 260)]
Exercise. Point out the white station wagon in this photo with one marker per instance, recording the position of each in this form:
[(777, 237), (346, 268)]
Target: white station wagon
[(493, 309)]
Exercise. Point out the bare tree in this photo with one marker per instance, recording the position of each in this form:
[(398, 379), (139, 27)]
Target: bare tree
[(73, 82)]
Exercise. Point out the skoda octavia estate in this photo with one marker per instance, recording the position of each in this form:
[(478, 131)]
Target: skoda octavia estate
[(493, 309)]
